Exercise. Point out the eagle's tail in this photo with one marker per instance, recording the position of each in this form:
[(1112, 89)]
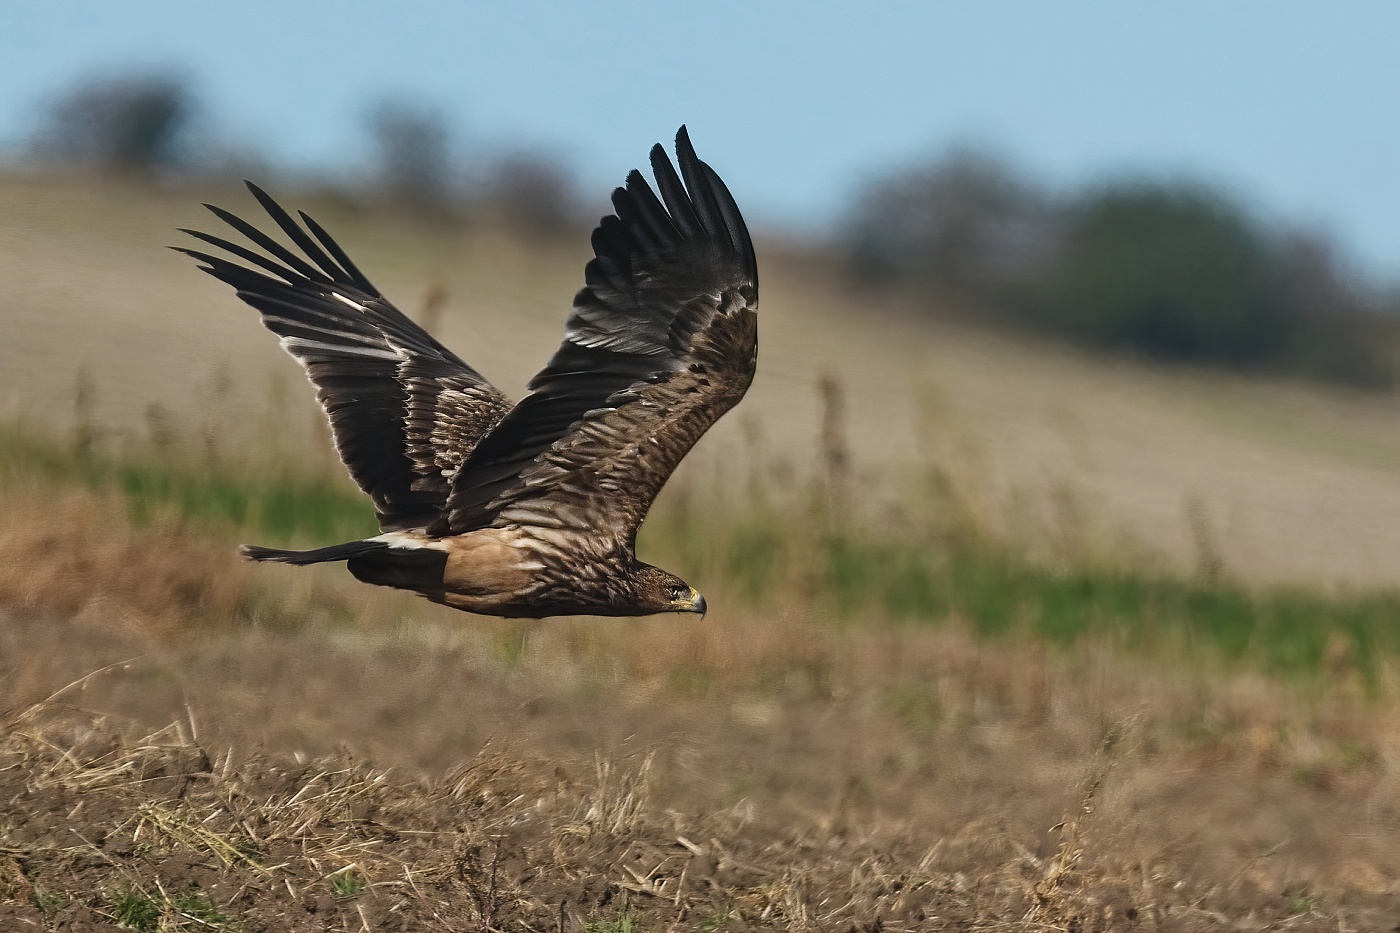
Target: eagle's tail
[(411, 568), (315, 556)]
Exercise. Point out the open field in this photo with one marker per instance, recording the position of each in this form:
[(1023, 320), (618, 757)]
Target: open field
[(289, 752), (1125, 656), (767, 770)]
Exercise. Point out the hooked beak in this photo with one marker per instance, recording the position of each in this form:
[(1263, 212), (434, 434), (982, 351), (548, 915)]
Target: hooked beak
[(692, 603)]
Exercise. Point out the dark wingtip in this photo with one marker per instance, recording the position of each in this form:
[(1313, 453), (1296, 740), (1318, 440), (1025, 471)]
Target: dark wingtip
[(685, 150), (697, 183), (195, 255), (227, 216), (266, 200)]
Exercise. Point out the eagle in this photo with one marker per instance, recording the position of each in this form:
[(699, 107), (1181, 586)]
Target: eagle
[(531, 509)]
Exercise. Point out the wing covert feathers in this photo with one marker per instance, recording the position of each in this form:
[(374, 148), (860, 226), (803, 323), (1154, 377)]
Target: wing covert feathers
[(404, 410), (661, 342)]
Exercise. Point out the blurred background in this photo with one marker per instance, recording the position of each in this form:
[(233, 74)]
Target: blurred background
[(1081, 337)]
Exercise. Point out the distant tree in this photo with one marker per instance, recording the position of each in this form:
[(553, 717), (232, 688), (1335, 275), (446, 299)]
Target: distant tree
[(1341, 331), (1178, 272), (127, 123), (533, 193), (965, 226), (1172, 271), (412, 155)]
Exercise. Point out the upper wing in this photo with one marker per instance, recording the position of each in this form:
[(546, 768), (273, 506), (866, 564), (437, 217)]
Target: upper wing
[(404, 410), (660, 344)]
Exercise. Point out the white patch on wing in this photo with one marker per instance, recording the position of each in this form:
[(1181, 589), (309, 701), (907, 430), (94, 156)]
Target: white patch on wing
[(292, 344), (338, 332), (347, 301)]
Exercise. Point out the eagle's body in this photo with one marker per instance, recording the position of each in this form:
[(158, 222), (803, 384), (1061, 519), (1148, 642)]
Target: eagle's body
[(532, 509), (516, 573)]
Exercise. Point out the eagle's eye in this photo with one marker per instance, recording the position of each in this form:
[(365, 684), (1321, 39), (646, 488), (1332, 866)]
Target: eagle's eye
[(678, 591)]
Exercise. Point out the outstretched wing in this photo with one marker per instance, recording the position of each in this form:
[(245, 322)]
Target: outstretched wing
[(660, 344), (404, 410)]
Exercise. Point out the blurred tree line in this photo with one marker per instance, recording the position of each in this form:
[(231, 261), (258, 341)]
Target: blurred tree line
[(155, 127), (1169, 270)]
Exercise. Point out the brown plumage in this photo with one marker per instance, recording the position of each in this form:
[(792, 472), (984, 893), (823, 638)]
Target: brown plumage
[(529, 510)]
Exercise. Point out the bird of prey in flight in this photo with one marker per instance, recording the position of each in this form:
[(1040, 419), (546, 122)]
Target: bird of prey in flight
[(530, 509)]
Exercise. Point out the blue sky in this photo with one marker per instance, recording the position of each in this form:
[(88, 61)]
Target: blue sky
[(1292, 105)]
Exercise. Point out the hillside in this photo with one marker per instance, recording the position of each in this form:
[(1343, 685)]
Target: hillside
[(1269, 481)]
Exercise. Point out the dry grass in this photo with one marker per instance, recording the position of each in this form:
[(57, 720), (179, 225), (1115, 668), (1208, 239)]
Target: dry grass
[(58, 557), (153, 537), (992, 789), (768, 769), (76, 552)]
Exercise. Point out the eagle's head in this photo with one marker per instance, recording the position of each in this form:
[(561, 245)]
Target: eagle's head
[(659, 591)]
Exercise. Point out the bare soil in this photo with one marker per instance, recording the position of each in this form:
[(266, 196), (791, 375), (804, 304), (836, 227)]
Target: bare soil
[(466, 779)]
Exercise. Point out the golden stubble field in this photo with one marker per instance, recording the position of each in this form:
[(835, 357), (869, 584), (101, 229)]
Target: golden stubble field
[(762, 772), (190, 743)]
